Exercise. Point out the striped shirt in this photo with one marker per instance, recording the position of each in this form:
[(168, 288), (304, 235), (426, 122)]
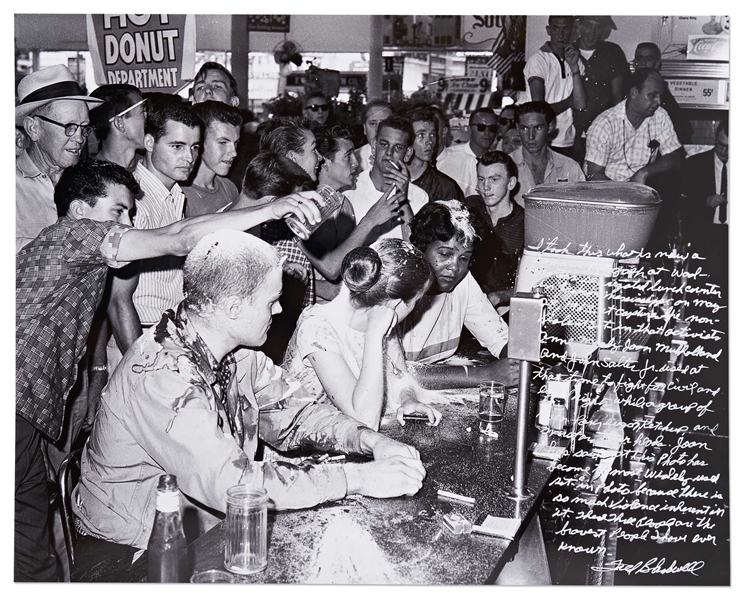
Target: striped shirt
[(160, 284)]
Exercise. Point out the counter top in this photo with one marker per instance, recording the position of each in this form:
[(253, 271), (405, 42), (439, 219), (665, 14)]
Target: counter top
[(362, 540)]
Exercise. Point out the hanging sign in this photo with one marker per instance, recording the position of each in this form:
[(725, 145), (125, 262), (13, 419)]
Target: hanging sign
[(151, 52)]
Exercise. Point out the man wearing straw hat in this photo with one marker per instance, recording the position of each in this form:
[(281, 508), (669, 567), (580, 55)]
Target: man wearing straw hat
[(53, 111)]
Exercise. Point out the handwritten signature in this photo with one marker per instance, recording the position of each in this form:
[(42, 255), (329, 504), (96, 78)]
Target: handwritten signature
[(651, 566)]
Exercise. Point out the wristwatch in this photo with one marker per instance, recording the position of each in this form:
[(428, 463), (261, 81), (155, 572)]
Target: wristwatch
[(99, 368)]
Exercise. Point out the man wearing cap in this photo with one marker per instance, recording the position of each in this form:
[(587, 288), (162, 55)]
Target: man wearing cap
[(605, 72), (119, 124), (53, 111)]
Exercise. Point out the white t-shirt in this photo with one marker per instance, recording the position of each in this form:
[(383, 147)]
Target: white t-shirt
[(558, 85), (460, 163), (363, 155), (365, 195), (431, 332)]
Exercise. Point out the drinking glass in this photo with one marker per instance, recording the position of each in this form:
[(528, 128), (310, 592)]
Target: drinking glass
[(245, 543), (332, 200), (490, 415)]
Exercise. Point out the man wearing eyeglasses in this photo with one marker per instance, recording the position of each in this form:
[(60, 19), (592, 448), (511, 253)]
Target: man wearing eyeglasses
[(316, 109), (460, 161), (53, 111)]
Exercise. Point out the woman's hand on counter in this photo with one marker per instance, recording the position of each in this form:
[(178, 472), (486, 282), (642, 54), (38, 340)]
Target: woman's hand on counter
[(416, 407)]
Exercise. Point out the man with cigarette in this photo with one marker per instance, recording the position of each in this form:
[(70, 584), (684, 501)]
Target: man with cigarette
[(389, 176), (374, 113)]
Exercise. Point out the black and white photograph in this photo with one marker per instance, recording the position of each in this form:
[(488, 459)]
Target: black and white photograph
[(371, 299)]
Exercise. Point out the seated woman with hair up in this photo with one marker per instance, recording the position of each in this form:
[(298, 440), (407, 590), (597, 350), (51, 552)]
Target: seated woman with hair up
[(342, 351)]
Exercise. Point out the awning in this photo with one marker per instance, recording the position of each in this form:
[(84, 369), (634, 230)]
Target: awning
[(466, 103)]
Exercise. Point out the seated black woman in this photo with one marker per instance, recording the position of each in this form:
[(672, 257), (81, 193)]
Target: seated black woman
[(444, 231)]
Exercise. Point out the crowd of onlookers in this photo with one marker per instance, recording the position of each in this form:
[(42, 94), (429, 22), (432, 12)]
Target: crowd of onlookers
[(362, 315)]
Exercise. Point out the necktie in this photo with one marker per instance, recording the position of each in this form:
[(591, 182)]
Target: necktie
[(723, 213)]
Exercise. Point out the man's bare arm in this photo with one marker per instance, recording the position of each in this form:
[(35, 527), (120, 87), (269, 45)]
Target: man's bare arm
[(663, 164), (536, 87), (180, 237), (595, 172), (122, 314)]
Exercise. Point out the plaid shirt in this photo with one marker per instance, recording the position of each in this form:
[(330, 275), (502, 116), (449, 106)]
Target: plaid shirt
[(614, 143), (60, 277), (280, 236)]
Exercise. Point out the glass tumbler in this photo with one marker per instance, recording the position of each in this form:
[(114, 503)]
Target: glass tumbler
[(245, 542), (332, 200), (492, 401), (213, 576)]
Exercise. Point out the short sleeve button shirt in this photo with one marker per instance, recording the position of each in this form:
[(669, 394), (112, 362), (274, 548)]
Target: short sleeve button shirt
[(34, 201), (614, 143)]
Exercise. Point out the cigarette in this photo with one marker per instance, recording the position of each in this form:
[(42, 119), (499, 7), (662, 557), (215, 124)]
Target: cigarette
[(336, 458), (450, 495), (485, 531)]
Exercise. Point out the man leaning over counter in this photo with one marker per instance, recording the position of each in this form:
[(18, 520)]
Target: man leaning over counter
[(183, 401)]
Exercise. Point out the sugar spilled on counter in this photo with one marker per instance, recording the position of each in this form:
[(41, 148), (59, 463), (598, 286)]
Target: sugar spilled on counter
[(347, 554)]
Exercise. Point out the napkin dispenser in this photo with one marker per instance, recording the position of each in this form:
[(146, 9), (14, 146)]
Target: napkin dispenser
[(575, 234)]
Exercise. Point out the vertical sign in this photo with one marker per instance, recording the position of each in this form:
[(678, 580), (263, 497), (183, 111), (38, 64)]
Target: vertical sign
[(151, 52)]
